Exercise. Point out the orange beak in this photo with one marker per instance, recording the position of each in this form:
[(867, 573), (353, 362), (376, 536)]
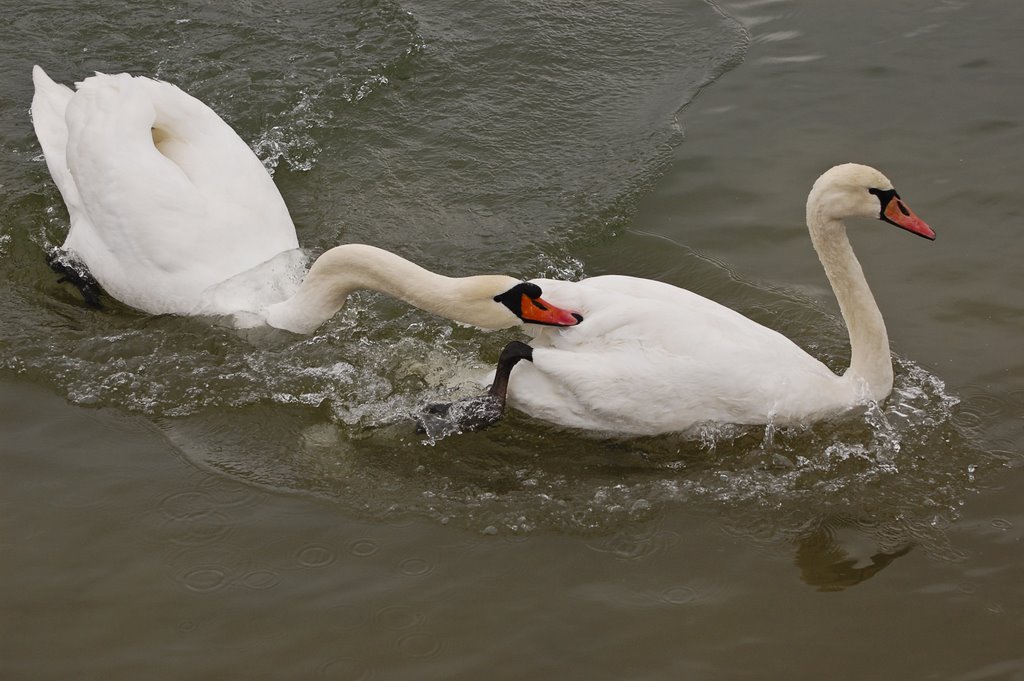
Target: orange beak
[(900, 215), (539, 311)]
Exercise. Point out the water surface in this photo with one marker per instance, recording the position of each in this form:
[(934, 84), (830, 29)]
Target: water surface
[(256, 504)]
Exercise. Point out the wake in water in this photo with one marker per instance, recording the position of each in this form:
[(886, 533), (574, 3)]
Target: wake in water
[(409, 133), (896, 474)]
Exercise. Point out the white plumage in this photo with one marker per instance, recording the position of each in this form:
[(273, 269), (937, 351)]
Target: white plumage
[(165, 200)]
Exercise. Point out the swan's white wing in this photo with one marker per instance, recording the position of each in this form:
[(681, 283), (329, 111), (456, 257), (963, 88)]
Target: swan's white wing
[(170, 200), (242, 201), (620, 310), (650, 357)]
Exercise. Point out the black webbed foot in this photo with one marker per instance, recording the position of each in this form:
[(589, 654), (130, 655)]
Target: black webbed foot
[(75, 273), (477, 412), (465, 415)]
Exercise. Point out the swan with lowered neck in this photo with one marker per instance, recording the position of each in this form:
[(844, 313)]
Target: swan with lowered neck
[(171, 212), (487, 301), (654, 358)]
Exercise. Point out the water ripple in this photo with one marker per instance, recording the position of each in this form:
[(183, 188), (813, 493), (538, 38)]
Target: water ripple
[(419, 646), (415, 567), (364, 548), (346, 669), (398, 617), (204, 578), (198, 528), (259, 580), (679, 595), (315, 556)]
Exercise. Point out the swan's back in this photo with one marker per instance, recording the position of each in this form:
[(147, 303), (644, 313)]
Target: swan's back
[(165, 199)]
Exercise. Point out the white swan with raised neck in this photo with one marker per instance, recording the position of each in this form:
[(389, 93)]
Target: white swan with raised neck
[(654, 358)]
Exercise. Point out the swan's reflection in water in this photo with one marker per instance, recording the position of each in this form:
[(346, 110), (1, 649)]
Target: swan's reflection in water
[(839, 553)]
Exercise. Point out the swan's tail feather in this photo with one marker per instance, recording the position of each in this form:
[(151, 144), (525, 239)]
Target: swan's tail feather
[(49, 106)]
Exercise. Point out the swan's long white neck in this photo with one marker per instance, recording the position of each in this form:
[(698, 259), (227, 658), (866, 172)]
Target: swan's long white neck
[(344, 269), (870, 372)]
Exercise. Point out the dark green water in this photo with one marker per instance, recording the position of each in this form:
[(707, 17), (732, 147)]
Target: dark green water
[(183, 501)]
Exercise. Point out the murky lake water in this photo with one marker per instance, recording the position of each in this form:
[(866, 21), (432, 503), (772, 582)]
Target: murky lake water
[(181, 500)]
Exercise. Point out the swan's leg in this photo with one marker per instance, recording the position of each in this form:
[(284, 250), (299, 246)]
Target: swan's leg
[(510, 356), (76, 274), (475, 413)]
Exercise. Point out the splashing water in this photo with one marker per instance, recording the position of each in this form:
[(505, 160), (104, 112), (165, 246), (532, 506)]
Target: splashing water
[(522, 476)]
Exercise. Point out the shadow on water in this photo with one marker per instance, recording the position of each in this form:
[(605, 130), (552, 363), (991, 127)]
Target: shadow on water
[(839, 553)]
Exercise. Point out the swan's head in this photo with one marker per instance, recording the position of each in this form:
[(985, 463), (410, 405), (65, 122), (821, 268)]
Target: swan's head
[(523, 299), (854, 190), (486, 301)]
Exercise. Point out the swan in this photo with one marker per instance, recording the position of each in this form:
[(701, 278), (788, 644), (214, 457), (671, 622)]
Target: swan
[(164, 199), (653, 358), (172, 213)]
